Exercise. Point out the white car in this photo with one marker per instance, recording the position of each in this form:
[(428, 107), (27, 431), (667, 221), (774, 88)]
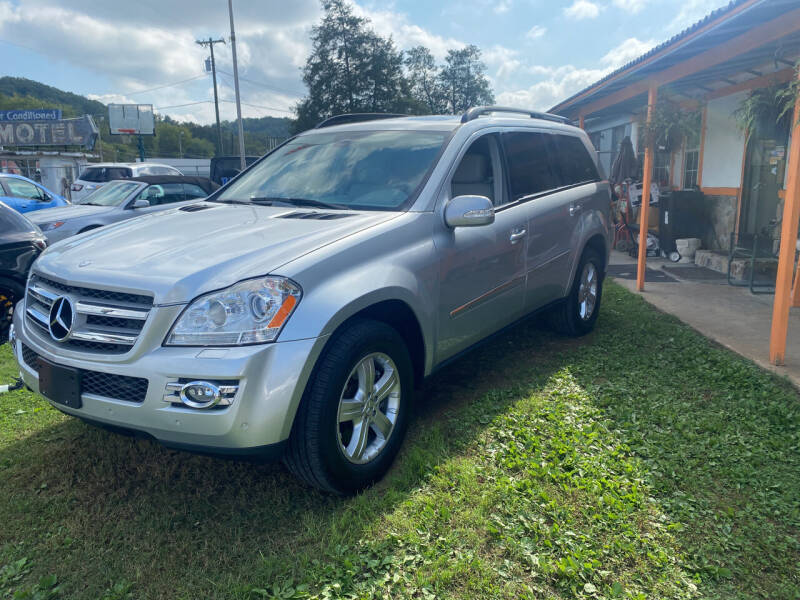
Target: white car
[(97, 174)]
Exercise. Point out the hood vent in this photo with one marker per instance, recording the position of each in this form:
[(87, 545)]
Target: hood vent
[(194, 207), (318, 216)]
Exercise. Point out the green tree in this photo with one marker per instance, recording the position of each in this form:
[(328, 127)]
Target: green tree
[(350, 69), (463, 80), (423, 77)]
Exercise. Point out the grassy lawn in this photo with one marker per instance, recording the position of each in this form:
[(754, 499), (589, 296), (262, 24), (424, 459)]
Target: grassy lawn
[(639, 462)]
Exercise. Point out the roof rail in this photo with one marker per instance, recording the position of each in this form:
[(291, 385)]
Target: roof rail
[(477, 111), (355, 118)]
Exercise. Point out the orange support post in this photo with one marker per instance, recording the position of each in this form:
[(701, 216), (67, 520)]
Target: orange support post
[(647, 179), (796, 289), (581, 122), (783, 282)]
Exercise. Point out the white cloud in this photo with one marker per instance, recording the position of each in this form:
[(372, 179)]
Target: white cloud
[(627, 51), (536, 32), (558, 83), (582, 9), (631, 6), (406, 34), (501, 62), (692, 11), (502, 6)]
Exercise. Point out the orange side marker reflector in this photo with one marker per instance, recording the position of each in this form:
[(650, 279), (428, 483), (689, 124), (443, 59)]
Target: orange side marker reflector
[(283, 312)]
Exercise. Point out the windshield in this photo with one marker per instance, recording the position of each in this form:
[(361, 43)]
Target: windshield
[(111, 194), (373, 170)]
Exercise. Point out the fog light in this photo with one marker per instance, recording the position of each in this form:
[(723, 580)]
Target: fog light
[(201, 394)]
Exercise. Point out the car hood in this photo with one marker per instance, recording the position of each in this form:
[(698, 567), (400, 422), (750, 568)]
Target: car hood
[(64, 213), (178, 254)]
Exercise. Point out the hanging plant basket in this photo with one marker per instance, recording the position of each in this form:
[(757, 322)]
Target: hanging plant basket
[(669, 126), (767, 110)]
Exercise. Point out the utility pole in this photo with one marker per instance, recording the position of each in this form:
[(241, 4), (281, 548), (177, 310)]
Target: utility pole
[(236, 86), (210, 43), (180, 142)]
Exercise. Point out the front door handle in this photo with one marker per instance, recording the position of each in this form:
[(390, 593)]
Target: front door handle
[(574, 209), (517, 235)]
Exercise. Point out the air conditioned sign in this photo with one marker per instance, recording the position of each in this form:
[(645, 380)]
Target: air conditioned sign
[(35, 114), (63, 132)]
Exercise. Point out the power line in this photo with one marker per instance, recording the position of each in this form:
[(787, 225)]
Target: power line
[(266, 85), (166, 85), (181, 105), (262, 107)]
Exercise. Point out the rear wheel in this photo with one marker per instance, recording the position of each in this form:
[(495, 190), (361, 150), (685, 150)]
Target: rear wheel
[(577, 314), (10, 294), (353, 416)]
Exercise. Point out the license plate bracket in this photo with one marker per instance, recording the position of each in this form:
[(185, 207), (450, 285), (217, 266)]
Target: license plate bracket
[(60, 384)]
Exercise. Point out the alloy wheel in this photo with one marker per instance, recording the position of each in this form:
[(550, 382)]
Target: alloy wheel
[(587, 291), (368, 408)]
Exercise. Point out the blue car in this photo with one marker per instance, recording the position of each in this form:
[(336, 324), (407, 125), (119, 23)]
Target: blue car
[(24, 195)]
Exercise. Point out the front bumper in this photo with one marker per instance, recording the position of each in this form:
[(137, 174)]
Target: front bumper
[(271, 380)]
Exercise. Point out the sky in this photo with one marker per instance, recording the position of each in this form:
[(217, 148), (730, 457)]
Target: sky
[(537, 52)]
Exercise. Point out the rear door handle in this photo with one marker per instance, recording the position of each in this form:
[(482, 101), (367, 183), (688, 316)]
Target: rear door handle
[(517, 235), (574, 209)]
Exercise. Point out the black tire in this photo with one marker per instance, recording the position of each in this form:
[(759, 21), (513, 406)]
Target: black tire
[(10, 293), (566, 317), (314, 453)]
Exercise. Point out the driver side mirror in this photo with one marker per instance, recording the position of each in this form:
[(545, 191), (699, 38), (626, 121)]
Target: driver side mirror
[(469, 211), (140, 203)]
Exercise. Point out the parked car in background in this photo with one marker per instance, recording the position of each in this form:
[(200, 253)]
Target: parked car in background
[(119, 200), (96, 175), (25, 195), (295, 311), (225, 168), (20, 244)]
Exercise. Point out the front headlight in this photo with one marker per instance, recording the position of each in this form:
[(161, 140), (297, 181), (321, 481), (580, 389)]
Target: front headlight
[(249, 312), (51, 226)]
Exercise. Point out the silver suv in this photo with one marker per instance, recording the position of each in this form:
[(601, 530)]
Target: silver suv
[(294, 312)]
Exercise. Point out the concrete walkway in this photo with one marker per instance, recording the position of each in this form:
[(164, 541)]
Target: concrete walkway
[(731, 316)]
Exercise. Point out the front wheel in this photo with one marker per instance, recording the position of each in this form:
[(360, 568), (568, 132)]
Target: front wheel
[(577, 314), (353, 415)]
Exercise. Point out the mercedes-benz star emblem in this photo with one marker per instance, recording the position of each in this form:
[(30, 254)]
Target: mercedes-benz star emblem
[(61, 317)]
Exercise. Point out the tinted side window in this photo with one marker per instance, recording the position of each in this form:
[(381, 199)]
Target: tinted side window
[(528, 163), (116, 173), (193, 191), (574, 162), (92, 175), (163, 193)]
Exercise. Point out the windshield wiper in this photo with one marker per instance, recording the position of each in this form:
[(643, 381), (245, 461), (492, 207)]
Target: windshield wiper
[(227, 201), (269, 201)]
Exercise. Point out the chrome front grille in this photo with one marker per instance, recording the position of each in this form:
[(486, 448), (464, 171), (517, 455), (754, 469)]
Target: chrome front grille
[(103, 321)]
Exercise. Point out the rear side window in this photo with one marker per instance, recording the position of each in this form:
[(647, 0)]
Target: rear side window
[(94, 175), (575, 165), (193, 191), (103, 174), (529, 170), (161, 171)]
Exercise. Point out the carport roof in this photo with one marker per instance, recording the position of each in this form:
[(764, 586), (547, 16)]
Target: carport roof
[(717, 27)]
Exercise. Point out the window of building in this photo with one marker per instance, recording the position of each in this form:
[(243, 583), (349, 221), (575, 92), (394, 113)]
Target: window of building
[(661, 167), (691, 158)]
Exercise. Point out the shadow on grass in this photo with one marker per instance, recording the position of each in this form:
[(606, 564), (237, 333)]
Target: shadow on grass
[(717, 436), (95, 508)]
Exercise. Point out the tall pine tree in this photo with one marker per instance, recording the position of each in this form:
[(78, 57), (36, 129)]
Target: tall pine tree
[(350, 69)]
